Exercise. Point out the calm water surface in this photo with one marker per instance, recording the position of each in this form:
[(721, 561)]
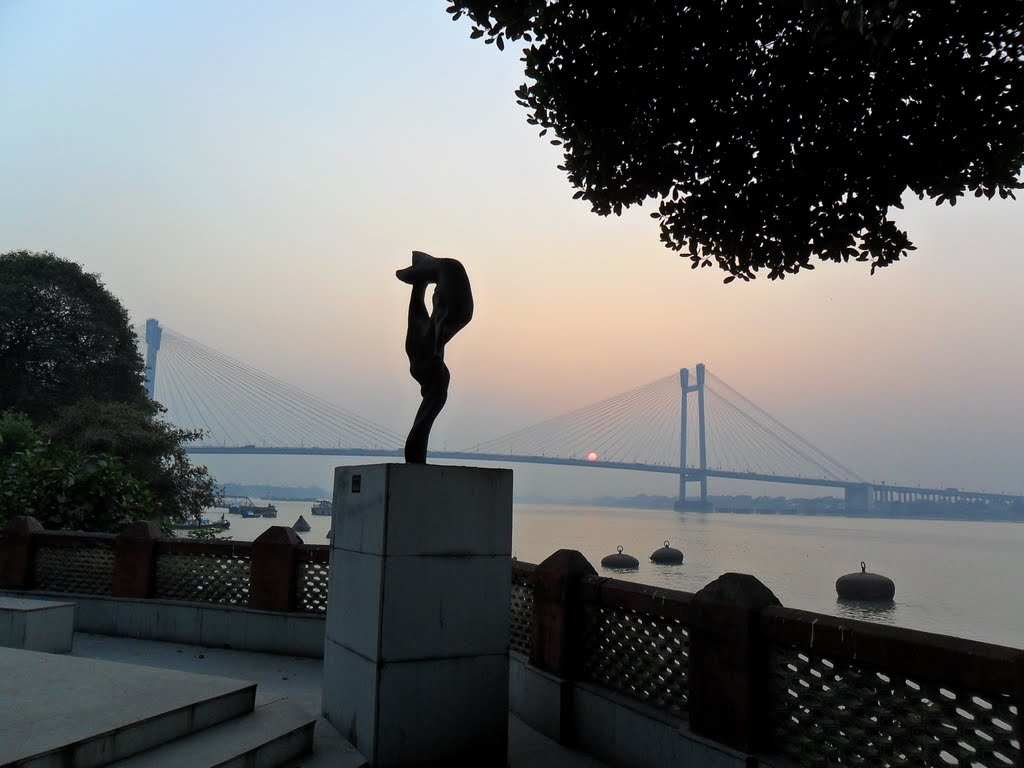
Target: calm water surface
[(957, 578)]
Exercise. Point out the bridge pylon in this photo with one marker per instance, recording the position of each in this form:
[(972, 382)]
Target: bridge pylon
[(700, 474), (153, 335)]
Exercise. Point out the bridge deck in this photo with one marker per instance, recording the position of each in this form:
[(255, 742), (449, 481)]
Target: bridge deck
[(692, 473)]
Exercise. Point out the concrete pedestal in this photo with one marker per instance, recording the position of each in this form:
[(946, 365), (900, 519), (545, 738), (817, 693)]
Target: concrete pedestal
[(36, 625), (416, 649)]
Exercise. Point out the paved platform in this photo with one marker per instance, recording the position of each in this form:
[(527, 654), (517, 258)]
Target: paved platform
[(301, 679), (83, 712)]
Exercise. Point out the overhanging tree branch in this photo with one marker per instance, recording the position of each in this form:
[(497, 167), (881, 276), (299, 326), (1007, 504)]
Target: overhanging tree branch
[(772, 133)]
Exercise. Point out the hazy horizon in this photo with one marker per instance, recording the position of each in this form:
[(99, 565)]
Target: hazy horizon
[(253, 177)]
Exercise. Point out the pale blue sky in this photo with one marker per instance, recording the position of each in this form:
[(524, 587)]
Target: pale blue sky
[(252, 174)]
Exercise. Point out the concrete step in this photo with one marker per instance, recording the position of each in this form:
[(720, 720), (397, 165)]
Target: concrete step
[(272, 735), (70, 712)]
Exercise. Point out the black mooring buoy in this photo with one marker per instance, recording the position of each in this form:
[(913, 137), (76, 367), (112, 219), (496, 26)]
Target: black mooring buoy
[(620, 560), (667, 555), (301, 526), (865, 586)]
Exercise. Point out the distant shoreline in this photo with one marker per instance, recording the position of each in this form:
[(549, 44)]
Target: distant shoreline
[(276, 492), (726, 505), (665, 503)]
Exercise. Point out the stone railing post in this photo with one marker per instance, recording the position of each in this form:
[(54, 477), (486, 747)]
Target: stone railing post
[(17, 552), (272, 572), (729, 676), (558, 612), (135, 560)]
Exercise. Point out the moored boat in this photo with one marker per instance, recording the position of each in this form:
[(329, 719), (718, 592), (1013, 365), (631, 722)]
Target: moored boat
[(204, 522), (322, 507), (255, 510)]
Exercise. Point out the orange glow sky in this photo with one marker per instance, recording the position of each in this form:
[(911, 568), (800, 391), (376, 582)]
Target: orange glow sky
[(253, 175)]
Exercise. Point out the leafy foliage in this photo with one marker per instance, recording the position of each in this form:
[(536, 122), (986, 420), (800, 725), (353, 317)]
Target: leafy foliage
[(16, 433), (63, 336), (207, 534), (67, 490), (70, 365), (773, 131), (151, 449)]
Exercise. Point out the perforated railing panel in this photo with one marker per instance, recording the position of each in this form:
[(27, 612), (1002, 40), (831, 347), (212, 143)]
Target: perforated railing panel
[(641, 655), (205, 577), (835, 713), (520, 626), (311, 583), (82, 568)]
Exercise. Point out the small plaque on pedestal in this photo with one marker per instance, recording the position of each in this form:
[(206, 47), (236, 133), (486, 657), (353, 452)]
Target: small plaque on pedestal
[(416, 650)]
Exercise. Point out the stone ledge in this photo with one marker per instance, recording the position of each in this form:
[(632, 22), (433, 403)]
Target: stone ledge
[(208, 624)]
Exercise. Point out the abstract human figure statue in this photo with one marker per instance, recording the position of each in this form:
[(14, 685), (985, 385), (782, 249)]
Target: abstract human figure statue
[(427, 335)]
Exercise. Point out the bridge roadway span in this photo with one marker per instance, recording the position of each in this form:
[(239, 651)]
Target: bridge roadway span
[(692, 474)]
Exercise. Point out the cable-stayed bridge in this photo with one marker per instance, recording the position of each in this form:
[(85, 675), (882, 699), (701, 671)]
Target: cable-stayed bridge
[(694, 426)]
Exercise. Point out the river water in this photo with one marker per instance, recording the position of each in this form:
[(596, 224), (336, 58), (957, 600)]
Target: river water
[(957, 578)]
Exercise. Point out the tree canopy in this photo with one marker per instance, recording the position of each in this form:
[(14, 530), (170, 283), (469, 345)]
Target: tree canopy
[(150, 449), (81, 446), (63, 337), (773, 132)]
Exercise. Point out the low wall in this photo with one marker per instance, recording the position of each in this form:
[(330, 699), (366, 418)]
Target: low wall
[(206, 624), (617, 729)]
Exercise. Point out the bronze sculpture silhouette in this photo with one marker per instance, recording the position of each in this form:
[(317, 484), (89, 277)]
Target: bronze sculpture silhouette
[(427, 336)]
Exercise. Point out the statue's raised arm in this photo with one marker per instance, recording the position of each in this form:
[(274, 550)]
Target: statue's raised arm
[(427, 335)]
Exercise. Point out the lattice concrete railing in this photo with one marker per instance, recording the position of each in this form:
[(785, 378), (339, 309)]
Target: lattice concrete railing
[(275, 572), (216, 572), (312, 575), (635, 641), (520, 614), (742, 670), (81, 563), (850, 693)]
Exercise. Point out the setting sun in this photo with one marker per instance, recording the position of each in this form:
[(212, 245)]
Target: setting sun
[(591, 456)]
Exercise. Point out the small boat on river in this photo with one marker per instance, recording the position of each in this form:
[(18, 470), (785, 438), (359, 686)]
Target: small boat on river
[(204, 523), (322, 507), (255, 510)]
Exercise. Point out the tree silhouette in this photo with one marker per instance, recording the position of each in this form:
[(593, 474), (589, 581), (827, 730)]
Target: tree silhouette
[(773, 132)]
